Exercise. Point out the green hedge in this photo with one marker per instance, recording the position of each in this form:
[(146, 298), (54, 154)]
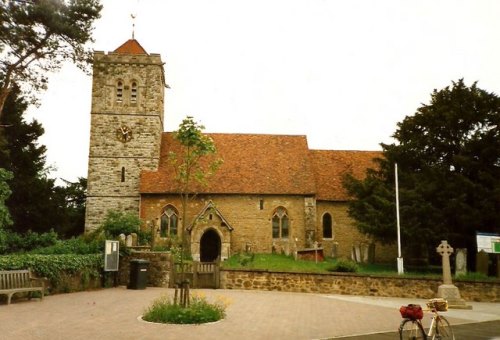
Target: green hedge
[(55, 267)]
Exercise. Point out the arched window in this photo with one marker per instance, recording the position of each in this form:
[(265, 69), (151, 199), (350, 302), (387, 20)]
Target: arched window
[(280, 223), (119, 92), (327, 226), (169, 221), (133, 92)]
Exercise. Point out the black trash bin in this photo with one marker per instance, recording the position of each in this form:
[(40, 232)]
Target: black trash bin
[(138, 274)]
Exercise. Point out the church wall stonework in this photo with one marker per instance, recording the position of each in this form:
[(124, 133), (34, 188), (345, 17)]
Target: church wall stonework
[(125, 131), (253, 229), (252, 225), (346, 235), (105, 176), (105, 142), (145, 70), (97, 208)]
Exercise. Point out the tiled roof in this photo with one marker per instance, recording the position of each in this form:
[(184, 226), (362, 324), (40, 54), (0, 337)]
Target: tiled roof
[(253, 164), (329, 167), (131, 46)]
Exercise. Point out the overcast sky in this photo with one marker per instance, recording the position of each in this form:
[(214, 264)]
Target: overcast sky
[(341, 72)]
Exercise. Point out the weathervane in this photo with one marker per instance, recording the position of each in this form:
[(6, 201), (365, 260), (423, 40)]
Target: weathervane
[(133, 25)]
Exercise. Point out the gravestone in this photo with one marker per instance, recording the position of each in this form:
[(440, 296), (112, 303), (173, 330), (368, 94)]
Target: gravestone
[(448, 290), (482, 262), (335, 246), (134, 239), (310, 238), (128, 241), (371, 253), (122, 238), (356, 253), (461, 262), (365, 250)]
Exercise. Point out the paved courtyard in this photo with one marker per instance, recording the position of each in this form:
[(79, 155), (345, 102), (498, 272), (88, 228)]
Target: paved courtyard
[(113, 314)]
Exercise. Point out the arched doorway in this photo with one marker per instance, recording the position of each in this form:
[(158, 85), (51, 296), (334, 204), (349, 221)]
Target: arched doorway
[(209, 246)]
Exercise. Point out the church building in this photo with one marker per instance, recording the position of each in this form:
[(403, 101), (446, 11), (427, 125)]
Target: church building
[(271, 194)]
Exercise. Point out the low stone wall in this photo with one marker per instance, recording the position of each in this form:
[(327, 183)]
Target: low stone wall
[(352, 284), (158, 268)]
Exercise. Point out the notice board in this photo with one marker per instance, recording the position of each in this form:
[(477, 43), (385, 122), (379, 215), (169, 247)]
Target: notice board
[(111, 256)]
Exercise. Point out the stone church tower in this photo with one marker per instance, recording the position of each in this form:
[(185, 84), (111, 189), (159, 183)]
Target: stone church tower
[(125, 129)]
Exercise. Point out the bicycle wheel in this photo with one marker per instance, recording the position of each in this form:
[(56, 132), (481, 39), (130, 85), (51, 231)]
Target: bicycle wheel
[(411, 330), (442, 329)]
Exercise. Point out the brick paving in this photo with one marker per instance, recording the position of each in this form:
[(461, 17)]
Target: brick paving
[(113, 314)]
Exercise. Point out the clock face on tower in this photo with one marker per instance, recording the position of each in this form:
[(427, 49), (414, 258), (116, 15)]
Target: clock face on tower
[(124, 134)]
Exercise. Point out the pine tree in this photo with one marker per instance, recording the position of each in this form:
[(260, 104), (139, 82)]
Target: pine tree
[(36, 203), (37, 37)]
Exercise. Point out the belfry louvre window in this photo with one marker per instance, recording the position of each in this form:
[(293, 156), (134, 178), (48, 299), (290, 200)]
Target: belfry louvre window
[(327, 226), (119, 92), (133, 93), (280, 223), (169, 221)]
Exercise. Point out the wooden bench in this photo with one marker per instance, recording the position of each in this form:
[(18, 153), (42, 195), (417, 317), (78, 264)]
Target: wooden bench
[(19, 281)]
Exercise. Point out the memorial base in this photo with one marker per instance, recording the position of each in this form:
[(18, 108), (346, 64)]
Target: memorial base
[(451, 293)]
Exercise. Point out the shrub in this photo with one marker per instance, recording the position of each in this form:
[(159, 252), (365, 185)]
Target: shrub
[(54, 267), (117, 222), (78, 245), (163, 310), (18, 243), (344, 265), (245, 258)]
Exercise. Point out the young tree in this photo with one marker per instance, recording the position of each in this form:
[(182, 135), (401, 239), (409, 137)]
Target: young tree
[(193, 165), (448, 156), (36, 37)]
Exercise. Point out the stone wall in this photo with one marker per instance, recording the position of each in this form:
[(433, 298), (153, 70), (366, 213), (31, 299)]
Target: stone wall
[(352, 284), (328, 283)]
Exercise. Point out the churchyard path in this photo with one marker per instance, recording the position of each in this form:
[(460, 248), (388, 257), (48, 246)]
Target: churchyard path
[(113, 314)]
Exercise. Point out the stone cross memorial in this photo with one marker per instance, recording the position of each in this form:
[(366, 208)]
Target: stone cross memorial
[(445, 250), (448, 290)]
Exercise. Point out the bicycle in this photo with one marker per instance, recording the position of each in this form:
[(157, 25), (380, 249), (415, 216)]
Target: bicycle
[(411, 327)]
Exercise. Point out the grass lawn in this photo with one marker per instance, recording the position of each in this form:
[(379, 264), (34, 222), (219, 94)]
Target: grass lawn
[(278, 262), (283, 263)]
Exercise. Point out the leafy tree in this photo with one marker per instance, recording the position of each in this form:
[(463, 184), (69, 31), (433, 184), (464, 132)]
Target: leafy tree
[(193, 165), (448, 156), (36, 37)]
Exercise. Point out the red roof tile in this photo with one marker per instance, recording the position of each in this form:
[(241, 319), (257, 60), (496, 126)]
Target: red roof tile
[(131, 46), (253, 164), (330, 166)]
